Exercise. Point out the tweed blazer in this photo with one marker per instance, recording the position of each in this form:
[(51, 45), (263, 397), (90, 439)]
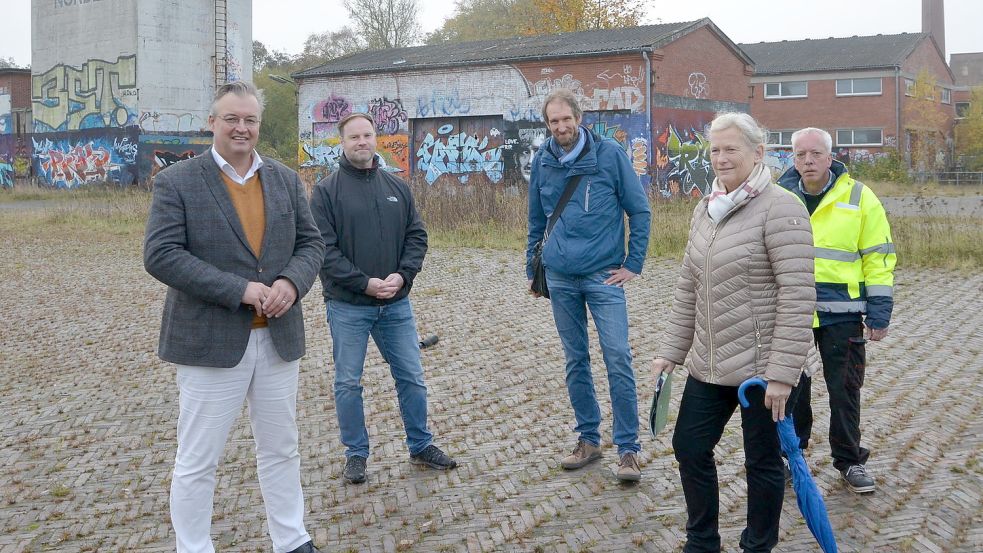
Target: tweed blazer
[(196, 245), (746, 293)]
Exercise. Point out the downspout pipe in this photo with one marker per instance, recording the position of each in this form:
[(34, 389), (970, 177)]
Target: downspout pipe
[(648, 118), (897, 108)]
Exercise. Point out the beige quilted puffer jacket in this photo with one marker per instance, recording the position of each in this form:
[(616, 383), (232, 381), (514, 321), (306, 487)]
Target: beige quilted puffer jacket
[(746, 293)]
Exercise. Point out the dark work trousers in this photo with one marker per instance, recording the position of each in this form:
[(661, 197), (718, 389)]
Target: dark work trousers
[(842, 348), (703, 413)]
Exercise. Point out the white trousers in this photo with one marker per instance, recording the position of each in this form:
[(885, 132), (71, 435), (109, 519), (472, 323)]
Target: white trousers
[(211, 400)]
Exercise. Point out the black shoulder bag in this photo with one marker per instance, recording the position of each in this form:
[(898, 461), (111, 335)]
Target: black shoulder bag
[(538, 269)]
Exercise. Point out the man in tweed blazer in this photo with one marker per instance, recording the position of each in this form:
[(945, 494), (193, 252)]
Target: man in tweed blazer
[(232, 236)]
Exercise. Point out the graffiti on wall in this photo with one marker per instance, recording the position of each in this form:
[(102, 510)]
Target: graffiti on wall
[(160, 151), (97, 94), (70, 3), (389, 115), (170, 121), (6, 126), (628, 130), (332, 110), (233, 54), (72, 161), (460, 148), (437, 104), (325, 155), (698, 87), (395, 152), (6, 173), (778, 161)]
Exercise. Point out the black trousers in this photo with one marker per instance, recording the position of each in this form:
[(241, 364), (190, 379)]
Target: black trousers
[(703, 413), (843, 351)]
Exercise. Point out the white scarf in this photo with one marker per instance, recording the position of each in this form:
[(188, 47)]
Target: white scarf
[(720, 202)]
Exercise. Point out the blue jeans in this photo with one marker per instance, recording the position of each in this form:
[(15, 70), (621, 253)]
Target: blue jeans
[(393, 328), (571, 296)]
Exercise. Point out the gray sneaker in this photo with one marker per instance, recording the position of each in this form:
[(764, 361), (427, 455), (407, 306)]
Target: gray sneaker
[(582, 455), (355, 470), (857, 479)]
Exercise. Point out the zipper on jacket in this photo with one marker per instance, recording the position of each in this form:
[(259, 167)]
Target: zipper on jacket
[(757, 342), (587, 198), (706, 274)]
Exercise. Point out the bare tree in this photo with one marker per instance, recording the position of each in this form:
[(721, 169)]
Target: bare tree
[(386, 23)]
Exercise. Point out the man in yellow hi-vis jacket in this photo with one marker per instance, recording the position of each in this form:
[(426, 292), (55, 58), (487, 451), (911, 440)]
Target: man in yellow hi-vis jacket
[(855, 261)]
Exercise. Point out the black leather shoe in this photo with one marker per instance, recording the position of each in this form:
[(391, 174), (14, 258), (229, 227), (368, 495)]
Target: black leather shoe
[(434, 458)]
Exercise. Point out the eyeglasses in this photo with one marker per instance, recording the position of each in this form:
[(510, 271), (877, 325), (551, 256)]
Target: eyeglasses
[(233, 121)]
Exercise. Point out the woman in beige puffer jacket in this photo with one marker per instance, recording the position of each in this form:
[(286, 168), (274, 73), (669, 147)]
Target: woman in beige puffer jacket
[(743, 308)]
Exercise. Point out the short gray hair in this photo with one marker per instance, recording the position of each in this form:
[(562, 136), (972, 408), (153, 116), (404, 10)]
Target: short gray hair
[(827, 139), (239, 88), (754, 134), (566, 96)]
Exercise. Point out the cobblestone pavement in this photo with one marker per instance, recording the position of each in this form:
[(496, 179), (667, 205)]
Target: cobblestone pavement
[(88, 412)]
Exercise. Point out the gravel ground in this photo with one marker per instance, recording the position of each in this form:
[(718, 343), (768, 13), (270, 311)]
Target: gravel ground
[(88, 414)]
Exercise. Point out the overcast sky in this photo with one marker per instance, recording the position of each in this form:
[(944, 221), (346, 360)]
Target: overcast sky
[(284, 24)]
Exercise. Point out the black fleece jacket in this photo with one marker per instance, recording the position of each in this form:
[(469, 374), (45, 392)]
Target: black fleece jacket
[(370, 228)]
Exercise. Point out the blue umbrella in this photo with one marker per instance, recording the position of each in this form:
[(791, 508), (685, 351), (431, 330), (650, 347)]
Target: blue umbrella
[(807, 494)]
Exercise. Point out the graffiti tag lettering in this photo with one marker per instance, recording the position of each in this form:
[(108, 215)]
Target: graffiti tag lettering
[(389, 115), (94, 95), (458, 153)]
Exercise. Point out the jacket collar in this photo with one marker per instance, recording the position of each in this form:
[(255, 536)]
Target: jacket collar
[(358, 172), (587, 159), (790, 178)]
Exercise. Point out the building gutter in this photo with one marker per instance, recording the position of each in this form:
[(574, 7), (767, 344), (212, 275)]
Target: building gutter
[(648, 116), (897, 107)]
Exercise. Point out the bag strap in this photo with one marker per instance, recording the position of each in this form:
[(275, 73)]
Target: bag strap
[(565, 198)]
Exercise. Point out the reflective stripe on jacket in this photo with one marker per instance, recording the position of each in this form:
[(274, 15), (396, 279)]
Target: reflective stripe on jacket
[(855, 256)]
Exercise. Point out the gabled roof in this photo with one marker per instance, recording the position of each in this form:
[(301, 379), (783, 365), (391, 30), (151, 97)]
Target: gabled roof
[(584, 43), (832, 54)]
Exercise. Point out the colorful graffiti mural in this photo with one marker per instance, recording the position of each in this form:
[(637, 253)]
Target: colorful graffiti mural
[(97, 94), (72, 161), (389, 115), (395, 152), (778, 161), (681, 152), (332, 110), (159, 151), (627, 129), (6, 173), (460, 148)]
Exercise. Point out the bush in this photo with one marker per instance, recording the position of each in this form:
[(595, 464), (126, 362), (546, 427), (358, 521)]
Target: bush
[(891, 168)]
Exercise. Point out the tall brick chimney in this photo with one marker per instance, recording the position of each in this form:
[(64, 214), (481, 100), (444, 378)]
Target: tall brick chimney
[(933, 22)]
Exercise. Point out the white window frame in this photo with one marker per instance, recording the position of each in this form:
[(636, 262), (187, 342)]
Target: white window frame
[(880, 82), (946, 96), (852, 143), (781, 143), (781, 86)]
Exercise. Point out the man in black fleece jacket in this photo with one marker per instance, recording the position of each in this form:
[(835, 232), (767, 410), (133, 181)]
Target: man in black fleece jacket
[(375, 243)]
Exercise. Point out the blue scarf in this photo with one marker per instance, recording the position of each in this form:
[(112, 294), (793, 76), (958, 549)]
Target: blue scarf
[(567, 158)]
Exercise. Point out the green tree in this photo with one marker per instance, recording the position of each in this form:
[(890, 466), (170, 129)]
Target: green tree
[(491, 19), (320, 48), (385, 23), (924, 120), (278, 134), (969, 133)]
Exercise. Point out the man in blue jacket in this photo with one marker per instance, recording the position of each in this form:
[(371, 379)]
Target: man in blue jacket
[(586, 267)]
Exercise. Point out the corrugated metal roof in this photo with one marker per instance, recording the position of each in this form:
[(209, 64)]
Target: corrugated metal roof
[(831, 54), (509, 49)]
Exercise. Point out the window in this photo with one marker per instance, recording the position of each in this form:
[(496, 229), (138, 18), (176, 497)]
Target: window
[(961, 109), (859, 137), (780, 138), (946, 96), (790, 89), (909, 87), (858, 87)]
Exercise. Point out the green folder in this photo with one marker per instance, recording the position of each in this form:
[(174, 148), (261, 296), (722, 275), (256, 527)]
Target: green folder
[(659, 412)]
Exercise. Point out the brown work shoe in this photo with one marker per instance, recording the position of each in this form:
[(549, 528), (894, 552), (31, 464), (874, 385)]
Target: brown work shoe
[(628, 469), (583, 454)]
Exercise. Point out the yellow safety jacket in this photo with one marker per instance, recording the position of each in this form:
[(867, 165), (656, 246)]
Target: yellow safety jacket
[(855, 256)]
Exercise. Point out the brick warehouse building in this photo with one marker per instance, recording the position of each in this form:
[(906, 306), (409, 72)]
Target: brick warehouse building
[(470, 112), (15, 124), (856, 88)]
